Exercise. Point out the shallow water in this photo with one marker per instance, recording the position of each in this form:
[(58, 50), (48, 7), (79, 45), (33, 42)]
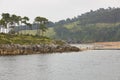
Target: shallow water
[(86, 65)]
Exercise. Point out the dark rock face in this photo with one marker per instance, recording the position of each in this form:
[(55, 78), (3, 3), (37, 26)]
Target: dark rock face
[(17, 49)]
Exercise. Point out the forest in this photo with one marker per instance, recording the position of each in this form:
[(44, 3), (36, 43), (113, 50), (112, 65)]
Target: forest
[(94, 26)]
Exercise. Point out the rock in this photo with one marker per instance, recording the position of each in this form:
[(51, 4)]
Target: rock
[(17, 49)]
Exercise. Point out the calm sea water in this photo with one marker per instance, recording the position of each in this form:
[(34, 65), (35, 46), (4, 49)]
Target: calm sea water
[(86, 65)]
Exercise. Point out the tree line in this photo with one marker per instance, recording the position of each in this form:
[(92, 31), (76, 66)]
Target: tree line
[(12, 21), (101, 15)]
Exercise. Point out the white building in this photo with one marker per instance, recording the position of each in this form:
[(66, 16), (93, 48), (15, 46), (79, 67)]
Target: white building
[(4, 30)]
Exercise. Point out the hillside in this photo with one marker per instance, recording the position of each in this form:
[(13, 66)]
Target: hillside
[(94, 26)]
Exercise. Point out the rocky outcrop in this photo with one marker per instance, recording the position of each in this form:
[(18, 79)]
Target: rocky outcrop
[(17, 49)]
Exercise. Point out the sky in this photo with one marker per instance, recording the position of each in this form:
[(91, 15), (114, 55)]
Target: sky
[(53, 10)]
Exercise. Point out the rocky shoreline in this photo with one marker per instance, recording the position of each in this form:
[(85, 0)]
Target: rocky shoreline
[(17, 49)]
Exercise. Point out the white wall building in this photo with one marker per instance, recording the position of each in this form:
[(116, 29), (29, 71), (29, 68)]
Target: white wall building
[(4, 30)]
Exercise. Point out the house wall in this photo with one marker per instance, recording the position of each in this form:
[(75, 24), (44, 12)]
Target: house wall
[(4, 30)]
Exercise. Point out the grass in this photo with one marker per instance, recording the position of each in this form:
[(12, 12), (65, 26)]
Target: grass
[(31, 32), (49, 33), (24, 39), (28, 39)]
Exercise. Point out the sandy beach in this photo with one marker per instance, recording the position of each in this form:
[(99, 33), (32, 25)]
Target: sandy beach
[(99, 46), (107, 45)]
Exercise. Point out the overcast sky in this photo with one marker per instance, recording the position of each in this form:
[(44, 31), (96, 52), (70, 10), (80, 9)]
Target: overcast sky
[(54, 10)]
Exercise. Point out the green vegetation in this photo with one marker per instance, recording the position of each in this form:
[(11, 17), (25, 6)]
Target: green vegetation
[(28, 40), (24, 39), (49, 33), (89, 33)]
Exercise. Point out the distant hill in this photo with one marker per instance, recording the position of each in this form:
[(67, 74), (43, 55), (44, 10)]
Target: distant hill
[(109, 15), (94, 26)]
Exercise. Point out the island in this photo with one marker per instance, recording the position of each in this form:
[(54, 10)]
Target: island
[(14, 42), (27, 44)]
